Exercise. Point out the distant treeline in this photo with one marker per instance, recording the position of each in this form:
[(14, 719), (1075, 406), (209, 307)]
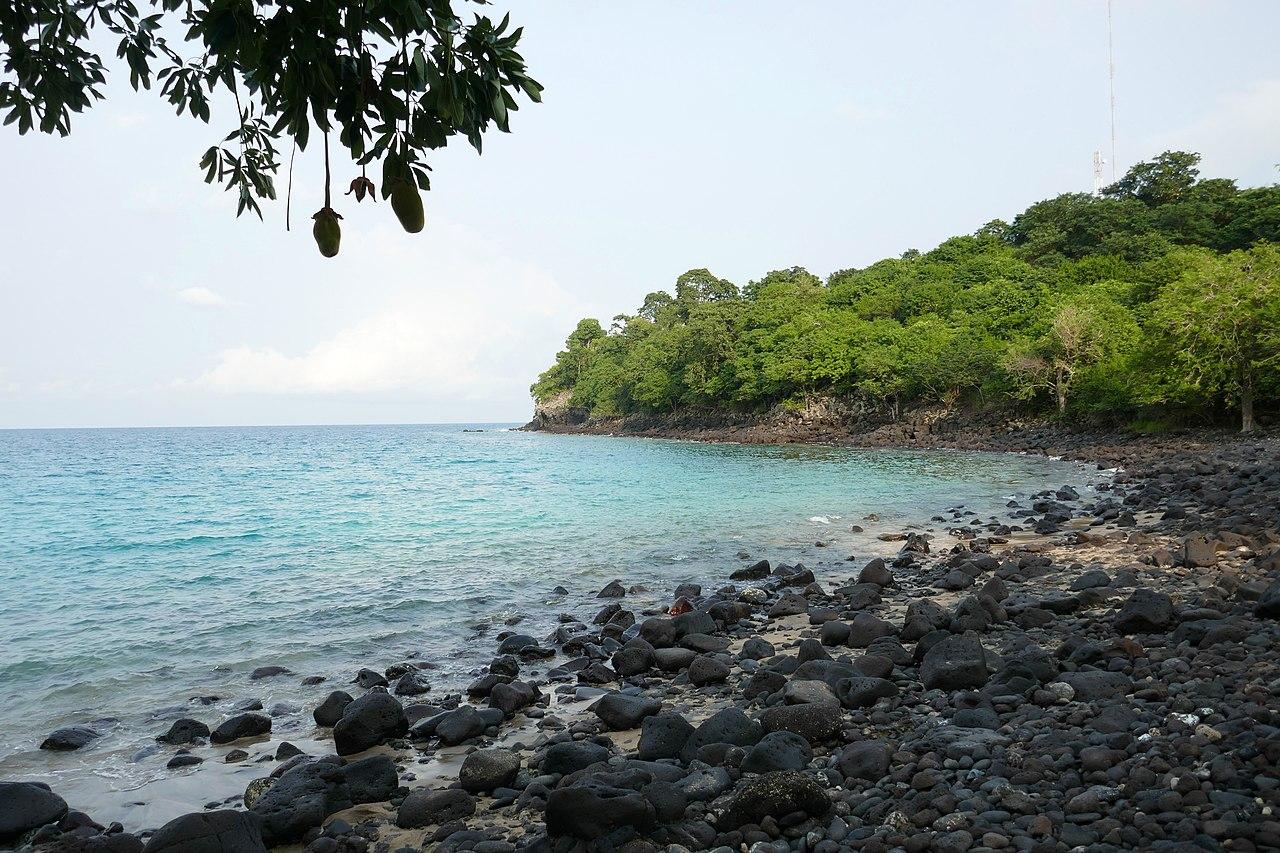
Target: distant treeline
[(1157, 301)]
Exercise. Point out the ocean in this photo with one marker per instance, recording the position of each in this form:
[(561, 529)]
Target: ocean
[(141, 568)]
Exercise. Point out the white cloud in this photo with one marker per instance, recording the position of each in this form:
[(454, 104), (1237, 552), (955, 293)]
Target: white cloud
[(473, 325), (1237, 136), (203, 297), (7, 386)]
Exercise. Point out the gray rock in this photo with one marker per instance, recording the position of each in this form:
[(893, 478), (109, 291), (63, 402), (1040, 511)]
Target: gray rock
[(328, 712), (241, 726), (620, 711), (775, 795), (486, 769), (956, 662), (69, 738), (663, 735)]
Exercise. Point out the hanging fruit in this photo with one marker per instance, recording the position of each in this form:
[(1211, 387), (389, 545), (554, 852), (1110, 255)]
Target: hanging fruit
[(327, 231), (406, 201)]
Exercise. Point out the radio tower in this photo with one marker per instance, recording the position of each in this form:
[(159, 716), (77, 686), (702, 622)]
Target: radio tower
[(1098, 164), (1111, 80)]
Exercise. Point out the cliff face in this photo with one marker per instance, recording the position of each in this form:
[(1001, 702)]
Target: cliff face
[(819, 419)]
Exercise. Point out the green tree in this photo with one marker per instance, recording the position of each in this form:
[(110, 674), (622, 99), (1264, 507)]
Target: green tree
[(1220, 324), (389, 81), (1084, 330), (1165, 179)]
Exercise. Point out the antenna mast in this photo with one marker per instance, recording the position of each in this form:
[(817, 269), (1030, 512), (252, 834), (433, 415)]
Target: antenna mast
[(1111, 79)]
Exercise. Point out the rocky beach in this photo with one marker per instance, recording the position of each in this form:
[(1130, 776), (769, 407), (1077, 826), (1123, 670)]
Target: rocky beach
[(1076, 673)]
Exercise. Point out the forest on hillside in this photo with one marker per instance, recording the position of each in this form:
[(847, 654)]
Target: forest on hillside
[(1154, 303)]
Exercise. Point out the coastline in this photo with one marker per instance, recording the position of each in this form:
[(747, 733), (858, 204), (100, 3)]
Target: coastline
[(1152, 525)]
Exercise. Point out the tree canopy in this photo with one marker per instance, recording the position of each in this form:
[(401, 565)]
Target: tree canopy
[(1157, 299), (388, 80)]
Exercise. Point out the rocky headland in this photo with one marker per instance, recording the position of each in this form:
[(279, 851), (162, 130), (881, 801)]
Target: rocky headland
[(1079, 673)]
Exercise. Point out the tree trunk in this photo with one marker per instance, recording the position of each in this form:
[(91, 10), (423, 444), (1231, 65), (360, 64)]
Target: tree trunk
[(1060, 388), (1246, 405)]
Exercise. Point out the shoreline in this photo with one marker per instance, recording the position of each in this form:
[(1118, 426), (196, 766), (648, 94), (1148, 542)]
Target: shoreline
[(897, 701)]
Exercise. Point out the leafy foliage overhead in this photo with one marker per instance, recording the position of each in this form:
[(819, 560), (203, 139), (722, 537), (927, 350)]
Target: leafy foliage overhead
[(1159, 298), (393, 79)]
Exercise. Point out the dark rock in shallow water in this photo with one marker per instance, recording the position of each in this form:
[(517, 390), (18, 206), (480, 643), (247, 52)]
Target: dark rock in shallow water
[(429, 808), (1146, 611), (486, 769), (241, 726), (27, 805), (69, 738), (412, 684), (663, 736), (328, 712), (613, 589), (268, 672), (775, 795), (368, 721), (955, 663), (620, 711), (757, 571), (185, 730), (369, 679), (224, 831), (184, 759)]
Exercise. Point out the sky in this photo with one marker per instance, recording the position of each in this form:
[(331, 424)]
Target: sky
[(673, 135)]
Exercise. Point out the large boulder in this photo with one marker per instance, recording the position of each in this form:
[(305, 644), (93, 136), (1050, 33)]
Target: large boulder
[(225, 831), (250, 724), (460, 724), (513, 697), (705, 669), (1145, 612), (302, 798), (572, 756), (814, 721), (621, 711), (729, 725), (368, 721), (867, 760), (956, 662), (775, 795), (371, 780), (429, 808), (486, 769), (780, 750), (27, 805), (592, 809), (864, 691), (663, 735)]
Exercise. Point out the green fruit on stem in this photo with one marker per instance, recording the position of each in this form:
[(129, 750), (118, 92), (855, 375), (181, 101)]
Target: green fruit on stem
[(406, 201), (327, 231)]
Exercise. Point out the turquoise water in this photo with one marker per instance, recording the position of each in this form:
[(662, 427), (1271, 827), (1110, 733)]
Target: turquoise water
[(140, 568)]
